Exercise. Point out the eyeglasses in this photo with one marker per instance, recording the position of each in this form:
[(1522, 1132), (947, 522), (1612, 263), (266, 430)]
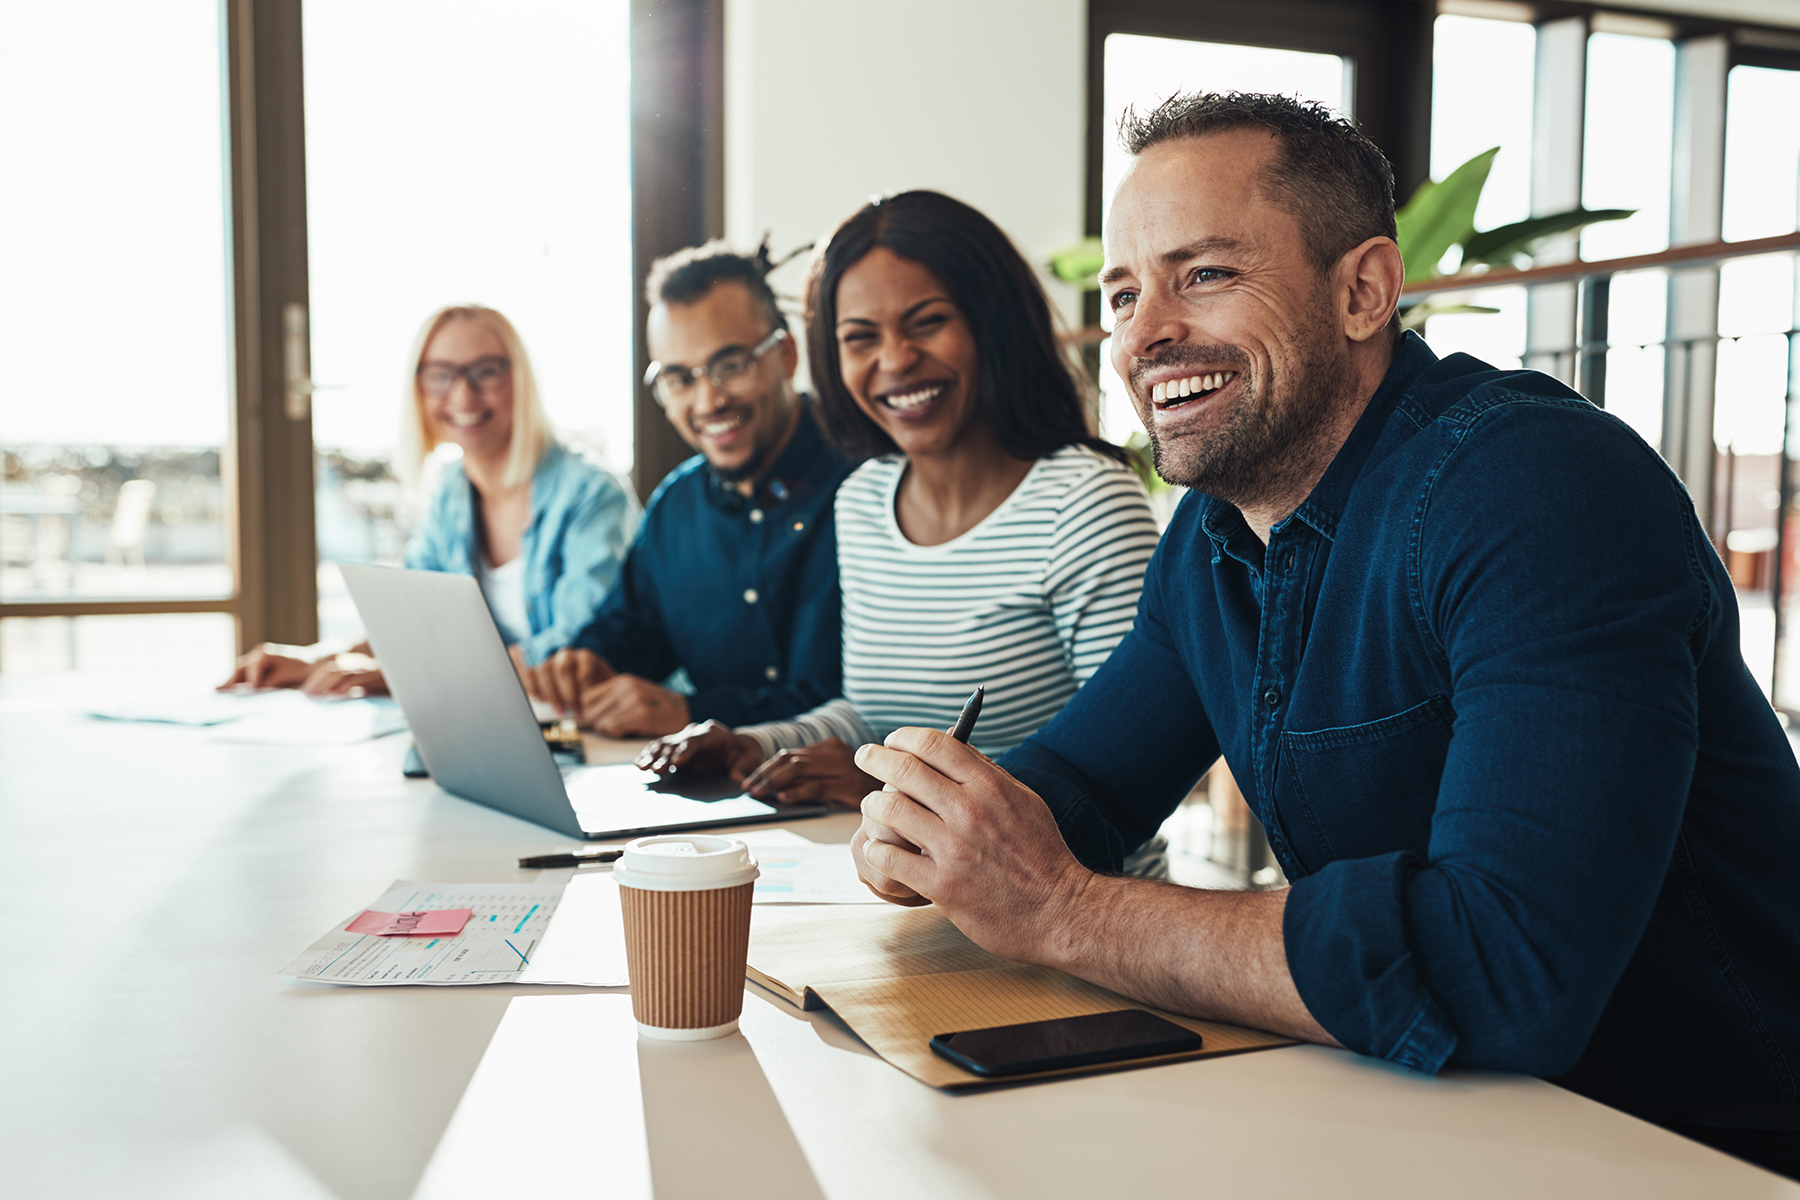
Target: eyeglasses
[(438, 378), (732, 371)]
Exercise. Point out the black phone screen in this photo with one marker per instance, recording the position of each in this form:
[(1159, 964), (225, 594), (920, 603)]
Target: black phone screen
[(1065, 1042)]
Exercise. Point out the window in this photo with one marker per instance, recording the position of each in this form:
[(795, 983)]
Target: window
[(114, 323), (423, 191)]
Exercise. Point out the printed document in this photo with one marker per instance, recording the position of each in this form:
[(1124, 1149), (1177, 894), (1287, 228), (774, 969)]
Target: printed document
[(501, 942)]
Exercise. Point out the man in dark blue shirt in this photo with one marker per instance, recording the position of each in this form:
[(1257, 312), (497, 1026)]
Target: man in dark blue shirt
[(1463, 644), (733, 576)]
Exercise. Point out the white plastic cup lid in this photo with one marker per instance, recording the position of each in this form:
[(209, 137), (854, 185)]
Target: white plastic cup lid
[(690, 862)]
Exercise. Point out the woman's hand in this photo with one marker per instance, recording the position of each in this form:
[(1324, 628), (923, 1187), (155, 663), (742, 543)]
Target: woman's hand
[(822, 771), (271, 665), (707, 748)]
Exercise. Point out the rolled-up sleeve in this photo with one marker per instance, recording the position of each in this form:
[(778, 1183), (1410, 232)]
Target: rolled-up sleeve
[(1560, 572)]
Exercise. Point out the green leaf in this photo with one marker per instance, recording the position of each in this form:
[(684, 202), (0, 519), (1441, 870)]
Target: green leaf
[(1499, 247), (1138, 446), (1441, 215), (1079, 264)]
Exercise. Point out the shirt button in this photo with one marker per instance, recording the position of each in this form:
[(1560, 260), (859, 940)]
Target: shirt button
[(756, 516), (1272, 697), (771, 673), (749, 595), (1287, 564), (799, 525)]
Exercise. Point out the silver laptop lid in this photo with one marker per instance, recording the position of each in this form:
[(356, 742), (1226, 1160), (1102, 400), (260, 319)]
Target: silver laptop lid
[(447, 666)]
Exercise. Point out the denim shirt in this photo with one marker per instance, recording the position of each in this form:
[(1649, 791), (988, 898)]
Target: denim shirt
[(1483, 689), (582, 520), (741, 592)]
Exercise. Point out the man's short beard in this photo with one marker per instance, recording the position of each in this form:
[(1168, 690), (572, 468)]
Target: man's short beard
[(748, 469), (1272, 436)]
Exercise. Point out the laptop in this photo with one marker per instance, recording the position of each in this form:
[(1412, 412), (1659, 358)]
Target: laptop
[(474, 727)]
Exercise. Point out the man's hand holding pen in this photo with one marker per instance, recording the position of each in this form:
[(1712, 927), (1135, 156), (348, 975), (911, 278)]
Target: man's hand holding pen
[(960, 832)]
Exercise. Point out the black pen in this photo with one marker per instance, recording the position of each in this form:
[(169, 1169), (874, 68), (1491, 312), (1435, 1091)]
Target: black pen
[(965, 723), (543, 862)]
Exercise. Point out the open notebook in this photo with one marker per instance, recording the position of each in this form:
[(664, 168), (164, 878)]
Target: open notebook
[(898, 976)]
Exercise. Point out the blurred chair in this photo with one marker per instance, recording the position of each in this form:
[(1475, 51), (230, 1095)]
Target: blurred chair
[(129, 520)]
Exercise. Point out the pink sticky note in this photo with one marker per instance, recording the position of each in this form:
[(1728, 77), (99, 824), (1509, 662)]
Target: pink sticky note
[(438, 921)]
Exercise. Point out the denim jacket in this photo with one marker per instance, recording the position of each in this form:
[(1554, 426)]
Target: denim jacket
[(1484, 690), (582, 520)]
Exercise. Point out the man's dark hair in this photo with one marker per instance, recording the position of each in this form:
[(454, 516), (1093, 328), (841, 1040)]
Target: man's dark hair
[(686, 275), (1024, 387), (1336, 182)]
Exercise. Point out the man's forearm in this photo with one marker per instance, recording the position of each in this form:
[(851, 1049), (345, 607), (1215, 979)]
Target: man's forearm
[(1212, 954)]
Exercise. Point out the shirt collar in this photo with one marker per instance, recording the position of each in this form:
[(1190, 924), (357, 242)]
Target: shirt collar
[(806, 461)]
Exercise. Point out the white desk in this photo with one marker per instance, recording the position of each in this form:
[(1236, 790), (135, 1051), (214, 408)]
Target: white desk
[(125, 846)]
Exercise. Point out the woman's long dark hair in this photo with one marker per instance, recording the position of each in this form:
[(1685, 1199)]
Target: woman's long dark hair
[(1025, 387)]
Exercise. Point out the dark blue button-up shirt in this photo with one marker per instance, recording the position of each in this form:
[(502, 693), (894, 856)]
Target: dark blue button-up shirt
[(740, 591), (1484, 690)]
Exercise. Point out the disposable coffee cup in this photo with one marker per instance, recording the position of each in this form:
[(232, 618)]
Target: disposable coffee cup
[(687, 932)]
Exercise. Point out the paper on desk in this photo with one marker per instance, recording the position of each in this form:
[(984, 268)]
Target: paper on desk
[(798, 871), (585, 944), (191, 707), (297, 720), (900, 976), (508, 923), (558, 930)]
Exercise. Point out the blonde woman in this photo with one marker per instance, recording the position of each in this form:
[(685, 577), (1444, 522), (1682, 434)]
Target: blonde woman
[(543, 529)]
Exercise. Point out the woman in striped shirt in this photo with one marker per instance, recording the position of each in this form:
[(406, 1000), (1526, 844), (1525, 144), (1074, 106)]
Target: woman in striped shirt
[(989, 539)]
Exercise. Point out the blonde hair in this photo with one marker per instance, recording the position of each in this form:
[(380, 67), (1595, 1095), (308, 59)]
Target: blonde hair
[(531, 431)]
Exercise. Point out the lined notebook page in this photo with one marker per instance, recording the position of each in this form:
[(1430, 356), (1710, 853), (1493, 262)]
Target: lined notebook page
[(898, 976)]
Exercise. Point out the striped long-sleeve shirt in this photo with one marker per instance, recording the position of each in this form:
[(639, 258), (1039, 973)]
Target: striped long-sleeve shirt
[(1027, 603)]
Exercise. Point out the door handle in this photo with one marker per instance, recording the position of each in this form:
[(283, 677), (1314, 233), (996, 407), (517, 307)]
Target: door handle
[(297, 358)]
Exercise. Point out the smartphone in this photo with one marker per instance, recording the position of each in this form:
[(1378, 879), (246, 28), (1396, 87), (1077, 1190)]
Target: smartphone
[(1064, 1042)]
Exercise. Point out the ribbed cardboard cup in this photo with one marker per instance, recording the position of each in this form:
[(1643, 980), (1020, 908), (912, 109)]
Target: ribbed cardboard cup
[(687, 932)]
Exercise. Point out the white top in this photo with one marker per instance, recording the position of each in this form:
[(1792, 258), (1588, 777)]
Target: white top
[(504, 588), (1028, 603)]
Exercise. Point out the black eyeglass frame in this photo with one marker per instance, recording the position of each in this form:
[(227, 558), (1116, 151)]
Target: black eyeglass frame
[(466, 371), (658, 372)]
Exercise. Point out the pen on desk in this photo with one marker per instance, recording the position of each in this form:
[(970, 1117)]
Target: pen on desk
[(965, 723), (544, 862)]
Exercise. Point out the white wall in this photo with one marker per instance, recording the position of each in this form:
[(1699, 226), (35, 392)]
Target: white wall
[(828, 102)]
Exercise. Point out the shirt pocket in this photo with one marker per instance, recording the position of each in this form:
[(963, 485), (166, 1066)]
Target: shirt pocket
[(1362, 790)]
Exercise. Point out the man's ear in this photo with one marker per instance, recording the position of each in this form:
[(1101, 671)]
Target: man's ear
[(790, 356), (1369, 279)]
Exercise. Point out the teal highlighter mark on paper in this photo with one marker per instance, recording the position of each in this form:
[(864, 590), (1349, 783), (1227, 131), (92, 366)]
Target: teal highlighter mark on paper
[(524, 919)]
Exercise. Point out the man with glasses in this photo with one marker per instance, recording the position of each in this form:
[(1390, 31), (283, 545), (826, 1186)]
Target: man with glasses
[(733, 577)]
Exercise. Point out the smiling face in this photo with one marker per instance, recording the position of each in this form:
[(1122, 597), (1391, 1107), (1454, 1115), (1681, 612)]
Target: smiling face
[(1225, 329), (480, 422), (906, 352), (739, 434)]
